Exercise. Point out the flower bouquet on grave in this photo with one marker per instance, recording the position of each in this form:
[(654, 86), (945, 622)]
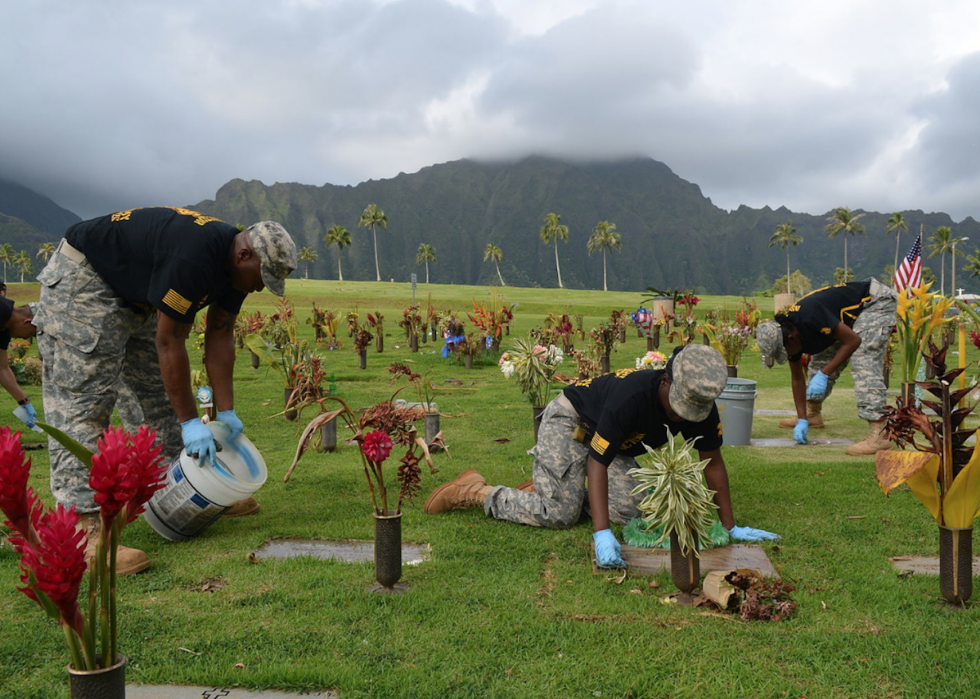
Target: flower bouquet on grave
[(125, 471)]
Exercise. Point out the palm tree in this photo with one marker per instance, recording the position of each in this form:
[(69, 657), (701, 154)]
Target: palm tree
[(604, 237), (45, 251), (553, 230), (973, 264), (374, 217), (897, 223), (492, 252), (339, 236), (24, 264), (427, 254), (6, 257), (844, 220), (941, 242), (307, 255), (785, 236)]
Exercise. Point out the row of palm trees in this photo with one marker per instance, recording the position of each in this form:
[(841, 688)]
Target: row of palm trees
[(846, 222), (605, 238), (22, 260)]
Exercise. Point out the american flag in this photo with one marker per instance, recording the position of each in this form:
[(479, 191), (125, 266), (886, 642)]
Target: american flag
[(909, 272)]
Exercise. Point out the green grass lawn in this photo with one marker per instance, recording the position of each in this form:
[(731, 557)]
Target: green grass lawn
[(502, 610)]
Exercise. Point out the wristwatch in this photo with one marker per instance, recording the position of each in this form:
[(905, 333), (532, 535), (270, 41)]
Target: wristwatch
[(23, 401)]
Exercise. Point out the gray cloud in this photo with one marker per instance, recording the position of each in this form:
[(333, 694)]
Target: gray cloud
[(110, 104)]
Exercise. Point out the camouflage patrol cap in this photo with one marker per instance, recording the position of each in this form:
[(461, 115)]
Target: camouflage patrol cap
[(277, 251), (699, 376), (769, 336)]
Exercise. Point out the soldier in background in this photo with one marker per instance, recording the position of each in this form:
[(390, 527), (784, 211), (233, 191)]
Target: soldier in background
[(15, 322), (595, 428), (834, 325)]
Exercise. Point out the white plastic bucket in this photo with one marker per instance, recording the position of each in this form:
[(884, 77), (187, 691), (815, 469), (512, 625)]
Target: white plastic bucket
[(196, 495), (736, 405)]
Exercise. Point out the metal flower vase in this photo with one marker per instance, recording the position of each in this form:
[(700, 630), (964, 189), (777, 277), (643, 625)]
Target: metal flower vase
[(432, 427), (685, 571), (290, 400), (104, 683), (956, 564), (388, 553)]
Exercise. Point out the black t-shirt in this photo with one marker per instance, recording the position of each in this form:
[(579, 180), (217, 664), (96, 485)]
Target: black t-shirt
[(818, 313), (4, 339), (170, 259), (620, 412)]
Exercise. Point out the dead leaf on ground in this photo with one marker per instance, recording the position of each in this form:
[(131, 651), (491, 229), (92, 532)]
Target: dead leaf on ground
[(502, 440), (618, 580), (857, 517)]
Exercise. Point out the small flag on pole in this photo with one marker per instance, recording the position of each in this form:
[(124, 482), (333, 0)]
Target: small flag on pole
[(909, 272)]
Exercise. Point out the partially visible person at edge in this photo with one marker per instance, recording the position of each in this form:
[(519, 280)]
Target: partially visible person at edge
[(595, 428), (18, 321), (118, 299), (835, 325), (15, 322)]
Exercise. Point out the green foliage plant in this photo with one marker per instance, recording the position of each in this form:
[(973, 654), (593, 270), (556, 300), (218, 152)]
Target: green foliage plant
[(677, 497), (534, 367)]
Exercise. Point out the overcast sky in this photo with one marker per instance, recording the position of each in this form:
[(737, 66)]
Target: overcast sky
[(874, 104)]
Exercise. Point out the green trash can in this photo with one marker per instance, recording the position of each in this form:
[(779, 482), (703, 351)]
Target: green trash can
[(736, 405)]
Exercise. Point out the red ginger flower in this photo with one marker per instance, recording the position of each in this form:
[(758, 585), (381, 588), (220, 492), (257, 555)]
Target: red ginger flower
[(20, 537), (55, 565), (15, 469), (376, 446), (125, 472), (151, 471)]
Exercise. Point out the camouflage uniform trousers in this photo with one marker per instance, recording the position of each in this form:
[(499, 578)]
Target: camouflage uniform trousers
[(559, 473), (874, 327), (91, 343)]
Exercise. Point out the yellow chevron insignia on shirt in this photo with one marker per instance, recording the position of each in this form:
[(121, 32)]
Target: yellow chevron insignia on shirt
[(599, 445), (176, 302)]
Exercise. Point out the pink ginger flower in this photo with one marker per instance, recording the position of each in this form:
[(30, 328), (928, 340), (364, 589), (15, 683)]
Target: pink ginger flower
[(376, 446)]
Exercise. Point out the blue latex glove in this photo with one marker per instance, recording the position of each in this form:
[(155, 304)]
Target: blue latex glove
[(199, 440), (800, 431), (818, 386), (608, 552), (750, 534), (31, 415), (234, 424)]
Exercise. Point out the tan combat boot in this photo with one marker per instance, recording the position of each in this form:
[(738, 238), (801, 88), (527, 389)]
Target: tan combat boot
[(813, 416), (468, 489), (128, 561), (248, 506), (526, 486), (873, 443)]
